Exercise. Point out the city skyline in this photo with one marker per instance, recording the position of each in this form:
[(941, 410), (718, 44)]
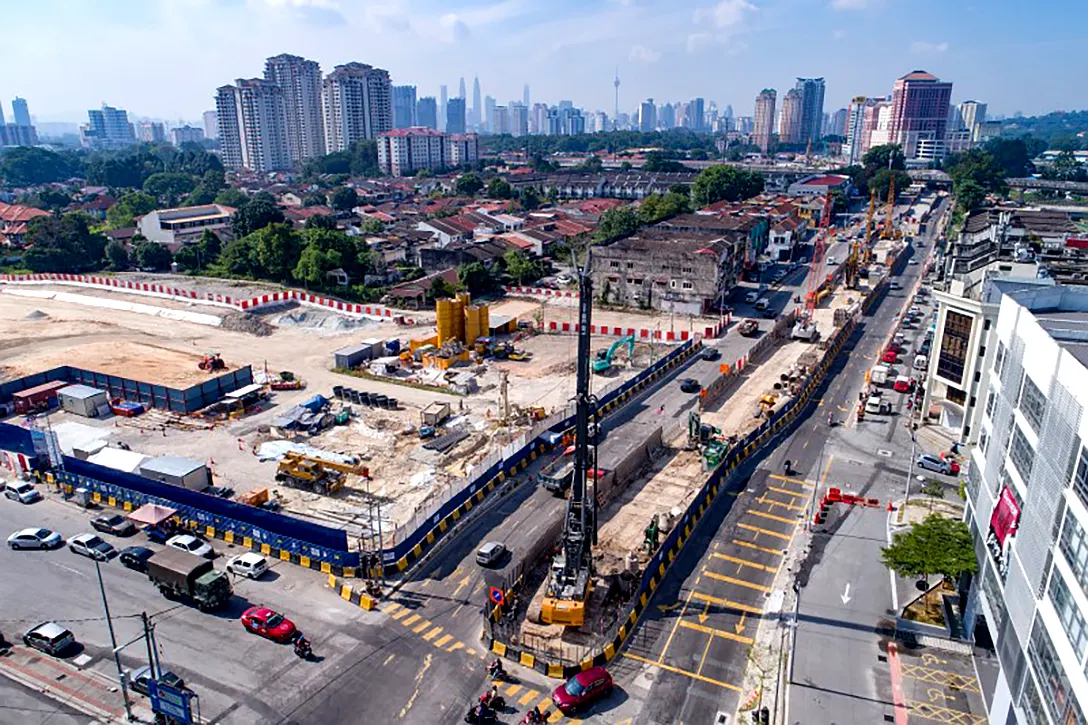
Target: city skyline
[(662, 50)]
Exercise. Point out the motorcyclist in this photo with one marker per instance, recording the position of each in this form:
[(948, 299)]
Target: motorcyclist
[(789, 465), (495, 668), (831, 419), (533, 717), (302, 646)]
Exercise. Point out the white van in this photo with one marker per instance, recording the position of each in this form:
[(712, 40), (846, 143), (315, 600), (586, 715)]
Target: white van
[(751, 297), (921, 362), (879, 375), (762, 304), (878, 406)]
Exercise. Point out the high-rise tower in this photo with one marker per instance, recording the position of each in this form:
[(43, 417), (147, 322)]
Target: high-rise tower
[(616, 85), (300, 80), (476, 118)]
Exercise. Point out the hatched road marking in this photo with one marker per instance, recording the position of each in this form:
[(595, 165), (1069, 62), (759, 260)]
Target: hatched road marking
[(728, 604), (738, 582), (757, 547), (773, 517), (679, 671), (744, 562), (716, 632), (749, 527)]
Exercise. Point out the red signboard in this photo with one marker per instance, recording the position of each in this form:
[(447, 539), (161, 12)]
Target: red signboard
[(1077, 242), (1006, 516)]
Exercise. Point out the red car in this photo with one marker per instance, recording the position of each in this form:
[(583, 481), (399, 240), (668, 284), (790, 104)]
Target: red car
[(891, 356), (582, 690), (268, 624)]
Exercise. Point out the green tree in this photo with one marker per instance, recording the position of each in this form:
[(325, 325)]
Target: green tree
[(278, 250), (878, 157), (467, 185), (657, 161), (474, 277), (30, 165), (720, 182), (255, 214), (615, 223), (314, 263), (978, 166), (518, 266), (882, 179), (344, 199), (1011, 156), (199, 256), (63, 244), (48, 199), (529, 198), (969, 195), (239, 259), (313, 199), (353, 254), (153, 256), (499, 188), (207, 189), (372, 226), (440, 289), (625, 166), (936, 546), (169, 187), (656, 207), (231, 197), (117, 256), (592, 164), (321, 221), (364, 159), (121, 214)]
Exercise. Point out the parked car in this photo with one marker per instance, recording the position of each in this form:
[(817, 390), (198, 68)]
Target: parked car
[(582, 690), (35, 539), (934, 463), (115, 524), (139, 679), (690, 385), (890, 356), (249, 564), (490, 553), (49, 637), (23, 492), (269, 624), (92, 546), (712, 353), (191, 544), (135, 557)]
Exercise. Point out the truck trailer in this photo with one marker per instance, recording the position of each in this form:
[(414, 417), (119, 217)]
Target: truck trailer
[(187, 577)]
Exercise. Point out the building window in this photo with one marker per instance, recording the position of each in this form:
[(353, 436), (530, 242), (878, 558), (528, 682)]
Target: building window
[(983, 441), (630, 265), (1080, 479), (1056, 690), (687, 270), (1068, 613), (999, 358), (1021, 454), (954, 343), (955, 395), (974, 477), (1074, 546), (688, 285), (1032, 404), (613, 264), (991, 396)]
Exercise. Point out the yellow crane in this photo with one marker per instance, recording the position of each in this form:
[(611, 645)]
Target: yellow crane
[(889, 216), (869, 228)]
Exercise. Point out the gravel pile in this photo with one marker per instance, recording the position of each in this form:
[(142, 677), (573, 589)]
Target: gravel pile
[(36, 315), (248, 323)]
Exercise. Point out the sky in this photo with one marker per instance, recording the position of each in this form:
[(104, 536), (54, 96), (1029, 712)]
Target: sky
[(165, 58)]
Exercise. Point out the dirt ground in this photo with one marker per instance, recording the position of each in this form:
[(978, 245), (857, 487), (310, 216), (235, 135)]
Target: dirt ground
[(138, 360), (562, 309)]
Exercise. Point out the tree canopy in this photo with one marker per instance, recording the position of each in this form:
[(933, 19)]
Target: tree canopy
[(936, 546), (63, 244), (467, 185), (725, 182), (657, 207), (121, 214), (254, 214), (499, 188), (30, 165), (616, 223), (360, 159), (344, 198)]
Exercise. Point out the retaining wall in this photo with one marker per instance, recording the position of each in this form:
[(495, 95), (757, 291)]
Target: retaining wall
[(721, 478)]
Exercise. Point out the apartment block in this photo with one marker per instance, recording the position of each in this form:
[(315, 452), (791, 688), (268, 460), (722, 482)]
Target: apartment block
[(253, 126), (358, 105), (404, 151), (300, 80)]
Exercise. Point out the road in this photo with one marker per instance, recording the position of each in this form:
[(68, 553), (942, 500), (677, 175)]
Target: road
[(20, 704), (687, 659)]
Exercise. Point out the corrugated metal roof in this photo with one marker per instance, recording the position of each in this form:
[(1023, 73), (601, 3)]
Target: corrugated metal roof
[(171, 465), (117, 459), (80, 392)]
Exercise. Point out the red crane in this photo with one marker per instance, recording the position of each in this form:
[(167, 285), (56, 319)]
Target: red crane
[(815, 277)]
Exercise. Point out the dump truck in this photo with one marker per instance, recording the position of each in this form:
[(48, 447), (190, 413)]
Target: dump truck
[(190, 578), (556, 475), (748, 328)]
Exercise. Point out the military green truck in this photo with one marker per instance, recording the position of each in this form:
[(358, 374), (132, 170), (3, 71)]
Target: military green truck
[(186, 577)]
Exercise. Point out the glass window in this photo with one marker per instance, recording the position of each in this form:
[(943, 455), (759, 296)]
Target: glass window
[(991, 398), (1074, 546), (1066, 607), (999, 358), (1021, 454), (983, 441), (1053, 681), (954, 343), (1032, 404)]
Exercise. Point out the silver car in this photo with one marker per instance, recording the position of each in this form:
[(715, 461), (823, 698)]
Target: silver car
[(35, 539), (933, 463), (49, 637), (23, 492), (490, 553)]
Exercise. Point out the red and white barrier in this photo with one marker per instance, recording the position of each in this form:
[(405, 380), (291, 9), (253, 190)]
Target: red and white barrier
[(540, 292), (351, 309)]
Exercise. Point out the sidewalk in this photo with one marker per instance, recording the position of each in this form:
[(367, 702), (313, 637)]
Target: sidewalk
[(81, 689)]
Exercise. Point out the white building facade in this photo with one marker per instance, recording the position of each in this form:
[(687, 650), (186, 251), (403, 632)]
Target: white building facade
[(357, 100), (1027, 507), (253, 126), (300, 80)]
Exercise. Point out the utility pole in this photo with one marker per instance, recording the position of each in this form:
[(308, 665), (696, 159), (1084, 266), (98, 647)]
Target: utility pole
[(504, 381), (113, 643), (151, 661)]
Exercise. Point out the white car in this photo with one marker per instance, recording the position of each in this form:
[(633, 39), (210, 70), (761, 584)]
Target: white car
[(92, 546), (250, 564), (23, 492), (35, 539), (192, 545)]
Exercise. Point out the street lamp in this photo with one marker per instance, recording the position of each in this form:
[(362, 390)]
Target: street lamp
[(113, 643), (910, 470)]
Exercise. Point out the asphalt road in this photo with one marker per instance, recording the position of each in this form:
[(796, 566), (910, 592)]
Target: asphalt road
[(686, 661), (20, 704)]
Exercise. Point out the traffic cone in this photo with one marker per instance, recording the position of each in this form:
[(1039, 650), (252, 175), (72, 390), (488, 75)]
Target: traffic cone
[(891, 507)]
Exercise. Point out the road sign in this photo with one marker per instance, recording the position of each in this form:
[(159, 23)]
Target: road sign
[(171, 701), (496, 595)]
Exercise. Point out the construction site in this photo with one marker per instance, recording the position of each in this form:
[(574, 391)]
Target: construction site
[(614, 526), (358, 446)]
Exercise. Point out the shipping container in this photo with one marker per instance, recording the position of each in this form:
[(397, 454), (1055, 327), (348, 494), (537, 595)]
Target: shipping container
[(83, 400), (39, 397)]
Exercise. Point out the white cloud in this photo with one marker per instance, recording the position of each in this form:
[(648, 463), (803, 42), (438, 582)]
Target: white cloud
[(921, 47), (698, 40), (725, 15), (642, 54), (838, 34), (454, 29), (854, 4)]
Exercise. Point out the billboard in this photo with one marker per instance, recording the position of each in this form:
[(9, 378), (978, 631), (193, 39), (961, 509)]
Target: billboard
[(1003, 523)]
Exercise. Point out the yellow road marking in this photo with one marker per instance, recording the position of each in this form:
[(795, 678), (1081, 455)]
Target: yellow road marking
[(771, 502), (441, 641), (728, 603), (673, 632), (823, 478), (716, 632), (757, 547), (470, 652), (706, 651), (391, 607), (414, 618), (455, 646), (421, 626), (787, 479), (738, 582), (686, 673), (432, 634), (785, 491), (555, 716), (512, 690), (773, 517), (463, 583), (528, 697), (388, 659), (744, 562), (758, 530), (400, 613)]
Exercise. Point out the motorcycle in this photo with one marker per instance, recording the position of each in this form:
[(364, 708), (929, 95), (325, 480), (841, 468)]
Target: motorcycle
[(788, 467), (493, 702), (303, 649), (481, 716), (533, 717), (496, 672)]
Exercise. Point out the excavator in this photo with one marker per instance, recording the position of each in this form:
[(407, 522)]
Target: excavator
[(603, 363), (568, 582)]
